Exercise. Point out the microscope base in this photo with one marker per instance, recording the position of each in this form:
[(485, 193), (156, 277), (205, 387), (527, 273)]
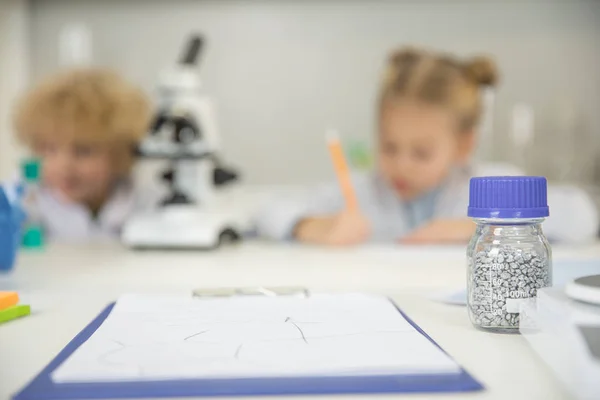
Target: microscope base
[(182, 227)]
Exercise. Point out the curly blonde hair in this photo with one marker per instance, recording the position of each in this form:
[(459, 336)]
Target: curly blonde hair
[(92, 106), (439, 79)]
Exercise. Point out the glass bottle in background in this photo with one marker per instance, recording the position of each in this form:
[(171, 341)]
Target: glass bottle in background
[(486, 149), (32, 232), (566, 149), (522, 135)]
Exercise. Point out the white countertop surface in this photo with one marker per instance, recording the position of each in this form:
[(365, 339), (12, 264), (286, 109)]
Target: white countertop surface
[(68, 286)]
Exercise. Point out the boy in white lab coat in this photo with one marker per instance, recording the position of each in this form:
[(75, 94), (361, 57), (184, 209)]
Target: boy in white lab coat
[(84, 125)]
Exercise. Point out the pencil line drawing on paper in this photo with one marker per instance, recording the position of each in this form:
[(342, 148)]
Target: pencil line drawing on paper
[(104, 358), (244, 338), (237, 351), (234, 354), (289, 319), (195, 334)]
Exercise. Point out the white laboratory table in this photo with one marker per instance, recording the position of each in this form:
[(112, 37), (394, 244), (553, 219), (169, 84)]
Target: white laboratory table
[(68, 286)]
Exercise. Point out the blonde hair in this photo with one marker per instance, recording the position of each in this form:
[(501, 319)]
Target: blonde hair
[(439, 79), (91, 106)]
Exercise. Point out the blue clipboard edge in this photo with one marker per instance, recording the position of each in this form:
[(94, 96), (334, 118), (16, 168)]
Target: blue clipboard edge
[(43, 388)]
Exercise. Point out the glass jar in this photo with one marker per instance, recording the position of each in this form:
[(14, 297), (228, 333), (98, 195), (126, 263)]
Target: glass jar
[(509, 257)]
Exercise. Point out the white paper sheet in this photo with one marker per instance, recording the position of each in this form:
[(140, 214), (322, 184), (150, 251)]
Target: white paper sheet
[(159, 338)]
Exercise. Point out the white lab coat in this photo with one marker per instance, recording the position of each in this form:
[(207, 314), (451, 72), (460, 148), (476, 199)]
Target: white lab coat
[(72, 222), (573, 215)]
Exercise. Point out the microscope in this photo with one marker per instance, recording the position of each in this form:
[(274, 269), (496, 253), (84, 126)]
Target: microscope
[(196, 211)]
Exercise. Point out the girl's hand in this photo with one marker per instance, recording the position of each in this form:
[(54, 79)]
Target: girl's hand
[(442, 231), (347, 228)]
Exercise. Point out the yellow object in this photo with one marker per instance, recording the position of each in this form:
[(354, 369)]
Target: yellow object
[(342, 171), (8, 299)]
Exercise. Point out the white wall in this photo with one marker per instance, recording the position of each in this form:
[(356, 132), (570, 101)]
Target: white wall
[(14, 73), (283, 71)]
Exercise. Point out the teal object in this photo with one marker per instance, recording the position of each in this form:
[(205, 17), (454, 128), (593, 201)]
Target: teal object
[(33, 237), (31, 170)]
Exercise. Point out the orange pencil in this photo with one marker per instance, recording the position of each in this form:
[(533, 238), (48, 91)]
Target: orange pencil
[(341, 169), (8, 299)]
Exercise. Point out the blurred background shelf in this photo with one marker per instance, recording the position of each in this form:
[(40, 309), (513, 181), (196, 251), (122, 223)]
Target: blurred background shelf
[(14, 73), (283, 71)]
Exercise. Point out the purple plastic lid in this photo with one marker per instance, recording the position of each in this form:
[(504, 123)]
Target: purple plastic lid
[(508, 197)]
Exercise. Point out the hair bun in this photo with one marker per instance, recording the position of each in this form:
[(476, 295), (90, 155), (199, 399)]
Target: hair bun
[(482, 70), (406, 55)]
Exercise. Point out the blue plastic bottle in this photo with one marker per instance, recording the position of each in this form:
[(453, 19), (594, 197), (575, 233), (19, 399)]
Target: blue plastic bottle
[(11, 219)]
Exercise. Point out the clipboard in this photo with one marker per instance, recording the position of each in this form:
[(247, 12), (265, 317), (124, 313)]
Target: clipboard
[(42, 387)]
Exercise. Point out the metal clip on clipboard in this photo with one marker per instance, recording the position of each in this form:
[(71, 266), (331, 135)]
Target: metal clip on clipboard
[(274, 291)]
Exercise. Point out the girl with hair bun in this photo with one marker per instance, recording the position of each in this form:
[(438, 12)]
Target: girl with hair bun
[(428, 111)]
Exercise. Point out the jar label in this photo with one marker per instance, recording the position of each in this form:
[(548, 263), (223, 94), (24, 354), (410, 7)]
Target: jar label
[(513, 305)]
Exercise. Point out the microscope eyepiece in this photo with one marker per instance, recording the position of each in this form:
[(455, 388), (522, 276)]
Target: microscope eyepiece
[(192, 50)]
